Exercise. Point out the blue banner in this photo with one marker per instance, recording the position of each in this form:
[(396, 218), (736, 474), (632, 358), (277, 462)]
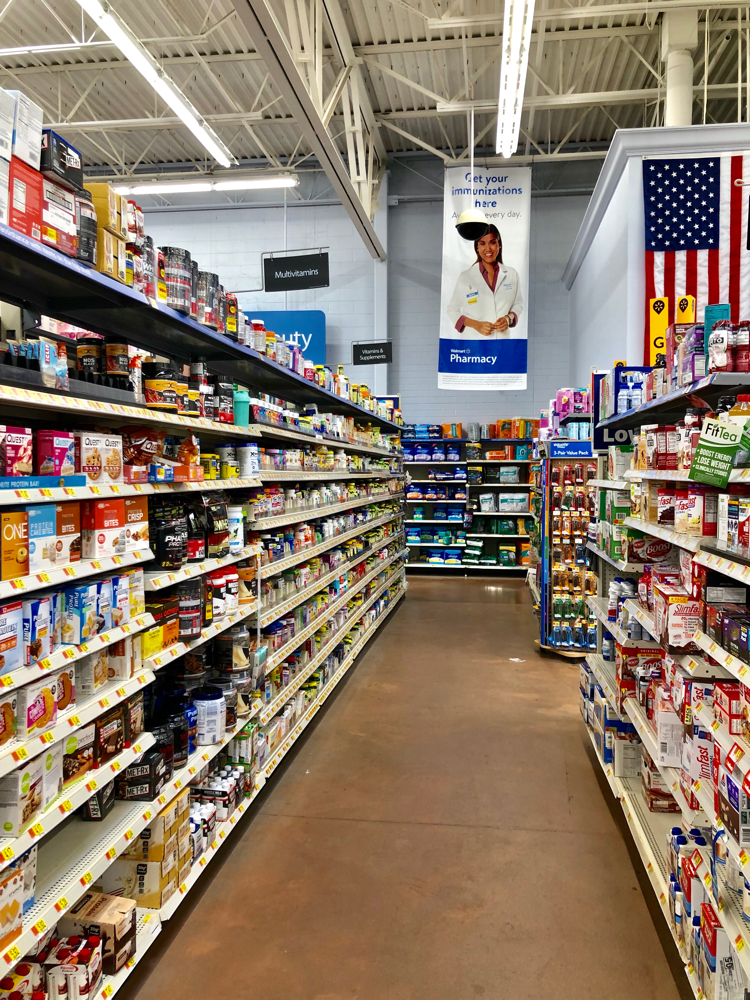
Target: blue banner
[(570, 449), (483, 357), (304, 327)]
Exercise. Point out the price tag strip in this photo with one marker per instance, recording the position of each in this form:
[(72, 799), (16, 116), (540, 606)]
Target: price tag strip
[(80, 715), (160, 580), (77, 571), (297, 516)]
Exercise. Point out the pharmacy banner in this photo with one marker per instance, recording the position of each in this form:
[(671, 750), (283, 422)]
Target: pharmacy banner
[(483, 315)]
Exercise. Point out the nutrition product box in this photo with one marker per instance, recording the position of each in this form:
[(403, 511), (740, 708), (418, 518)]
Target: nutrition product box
[(41, 531), (112, 918), (98, 457), (68, 541), (137, 592), (55, 453), (27, 129), (37, 629), (8, 726), (150, 883), (120, 599), (59, 217), (80, 614), (14, 544), (15, 451), (676, 615), (103, 606), (11, 636), (92, 673), (20, 797), (78, 755), (60, 161), (52, 774), (36, 710), (103, 528), (136, 523), (11, 905), (65, 680)]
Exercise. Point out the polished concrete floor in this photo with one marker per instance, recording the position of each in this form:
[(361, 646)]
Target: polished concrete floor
[(440, 834)]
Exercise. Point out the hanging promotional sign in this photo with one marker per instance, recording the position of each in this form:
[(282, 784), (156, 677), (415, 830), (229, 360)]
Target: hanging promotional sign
[(483, 319), (714, 455)]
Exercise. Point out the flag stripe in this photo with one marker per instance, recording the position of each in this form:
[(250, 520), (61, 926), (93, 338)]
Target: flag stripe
[(735, 236), (691, 273), (701, 290), (669, 291), (714, 284)]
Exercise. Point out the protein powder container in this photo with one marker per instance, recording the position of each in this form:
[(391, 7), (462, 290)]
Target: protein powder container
[(231, 325), (89, 357), (221, 325), (86, 229), (212, 715), (159, 386), (194, 269), (208, 299), (148, 264), (181, 391), (178, 274), (224, 392), (117, 357)]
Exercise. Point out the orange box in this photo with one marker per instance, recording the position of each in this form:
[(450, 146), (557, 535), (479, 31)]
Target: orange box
[(504, 429), (170, 631), (499, 454), (103, 528), (188, 473), (14, 547)]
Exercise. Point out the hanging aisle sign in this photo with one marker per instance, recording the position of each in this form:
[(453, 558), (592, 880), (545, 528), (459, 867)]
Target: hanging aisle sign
[(483, 317), (286, 274)]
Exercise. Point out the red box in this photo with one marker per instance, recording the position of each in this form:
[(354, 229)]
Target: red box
[(59, 217), (25, 197), (103, 528)]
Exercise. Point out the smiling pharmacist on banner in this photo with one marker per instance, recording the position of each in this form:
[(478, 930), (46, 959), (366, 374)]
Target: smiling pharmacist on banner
[(487, 300)]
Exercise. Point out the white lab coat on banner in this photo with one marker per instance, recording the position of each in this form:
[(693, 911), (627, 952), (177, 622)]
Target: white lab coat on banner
[(474, 299)]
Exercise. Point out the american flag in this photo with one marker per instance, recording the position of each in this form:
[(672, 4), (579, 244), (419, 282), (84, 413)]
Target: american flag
[(696, 232)]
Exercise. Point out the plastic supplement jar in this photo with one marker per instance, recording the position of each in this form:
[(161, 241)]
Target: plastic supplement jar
[(212, 715)]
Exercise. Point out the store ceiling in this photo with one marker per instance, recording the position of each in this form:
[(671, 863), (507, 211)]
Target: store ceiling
[(587, 75)]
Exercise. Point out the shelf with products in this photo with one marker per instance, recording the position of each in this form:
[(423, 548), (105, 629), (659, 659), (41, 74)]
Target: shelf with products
[(179, 649), (502, 486), (16, 397), (599, 606), (436, 545), (604, 671), (446, 520), (427, 461), (497, 441), (275, 611), (290, 475), (471, 534), (147, 930), (279, 655), (71, 798), (76, 854), (67, 290), (104, 492), (79, 715), (23, 585), (425, 500), (624, 567), (610, 484), (690, 542), (280, 752), (268, 711), (278, 566), (64, 655), (221, 831), (661, 408), (284, 434), (297, 516), (467, 566), (440, 481), (159, 579)]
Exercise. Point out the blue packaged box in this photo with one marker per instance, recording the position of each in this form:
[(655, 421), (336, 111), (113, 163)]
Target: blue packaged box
[(42, 534), (39, 482), (79, 614)]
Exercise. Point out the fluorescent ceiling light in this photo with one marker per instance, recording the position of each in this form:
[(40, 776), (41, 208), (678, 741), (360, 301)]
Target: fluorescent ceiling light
[(256, 182), (518, 17), (104, 17), (191, 187)]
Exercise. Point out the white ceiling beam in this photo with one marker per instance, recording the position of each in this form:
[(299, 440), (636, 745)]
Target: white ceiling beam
[(270, 42), (130, 124), (583, 12)]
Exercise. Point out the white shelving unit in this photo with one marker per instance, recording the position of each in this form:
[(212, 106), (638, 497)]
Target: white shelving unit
[(23, 585), (309, 513)]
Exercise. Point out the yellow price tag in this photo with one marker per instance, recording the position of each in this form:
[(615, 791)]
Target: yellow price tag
[(74, 720), (87, 878), (739, 942), (7, 681), (104, 702), (115, 765), (121, 692), (46, 737), (36, 830), (147, 815), (39, 927), (107, 991), (222, 834), (8, 854), (61, 904), (111, 853), (178, 784), (12, 955), (128, 835), (91, 786), (43, 577), (138, 748), (21, 754)]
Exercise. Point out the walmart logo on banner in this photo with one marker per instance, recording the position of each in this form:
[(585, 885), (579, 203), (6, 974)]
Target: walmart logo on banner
[(304, 327)]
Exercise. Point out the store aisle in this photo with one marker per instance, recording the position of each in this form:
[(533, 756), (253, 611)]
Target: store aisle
[(440, 835)]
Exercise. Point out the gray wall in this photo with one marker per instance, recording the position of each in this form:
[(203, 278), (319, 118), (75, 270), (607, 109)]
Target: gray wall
[(231, 240)]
